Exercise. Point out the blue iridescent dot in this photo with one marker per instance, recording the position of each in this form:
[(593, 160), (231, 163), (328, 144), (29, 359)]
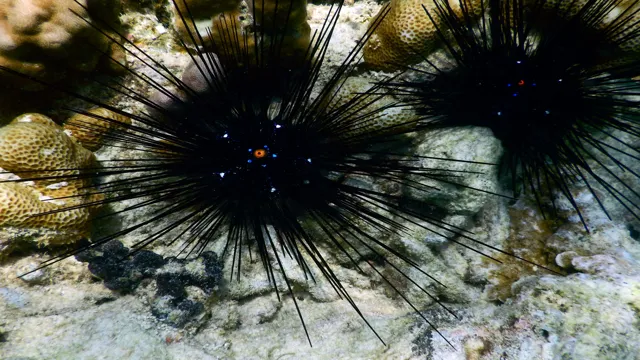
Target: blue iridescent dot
[(249, 161)]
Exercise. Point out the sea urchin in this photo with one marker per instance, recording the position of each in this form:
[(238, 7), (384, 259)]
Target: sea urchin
[(249, 148), (552, 80)]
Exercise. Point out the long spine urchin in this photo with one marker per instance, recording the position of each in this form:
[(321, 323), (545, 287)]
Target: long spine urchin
[(245, 147), (554, 82)]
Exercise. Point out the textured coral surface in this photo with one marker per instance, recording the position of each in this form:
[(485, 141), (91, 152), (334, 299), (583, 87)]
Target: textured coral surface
[(45, 39), (30, 147), (403, 36), (89, 129)]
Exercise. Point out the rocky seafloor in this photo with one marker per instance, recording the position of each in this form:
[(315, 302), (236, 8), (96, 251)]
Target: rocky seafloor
[(156, 307)]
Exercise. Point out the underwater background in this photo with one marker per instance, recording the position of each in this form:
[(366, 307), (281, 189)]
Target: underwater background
[(152, 306)]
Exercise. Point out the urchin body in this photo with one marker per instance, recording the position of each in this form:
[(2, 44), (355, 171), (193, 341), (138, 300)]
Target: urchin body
[(552, 85)]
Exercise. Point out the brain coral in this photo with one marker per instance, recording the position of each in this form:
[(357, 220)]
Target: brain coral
[(402, 36), (29, 145), (44, 38)]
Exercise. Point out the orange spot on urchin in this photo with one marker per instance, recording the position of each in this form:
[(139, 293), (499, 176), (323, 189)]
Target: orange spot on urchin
[(260, 153)]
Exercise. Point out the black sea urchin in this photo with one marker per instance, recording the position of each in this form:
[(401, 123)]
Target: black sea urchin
[(247, 148), (552, 80)]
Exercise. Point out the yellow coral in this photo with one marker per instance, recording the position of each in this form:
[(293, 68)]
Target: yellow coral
[(19, 206), (90, 129), (30, 147), (402, 37), (43, 38)]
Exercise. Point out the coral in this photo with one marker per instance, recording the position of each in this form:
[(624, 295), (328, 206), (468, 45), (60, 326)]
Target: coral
[(89, 129), (292, 26), (29, 145), (44, 39), (402, 37)]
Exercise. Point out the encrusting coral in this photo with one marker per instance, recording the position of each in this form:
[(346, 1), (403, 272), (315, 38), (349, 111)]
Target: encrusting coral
[(406, 34), (30, 147), (46, 39)]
